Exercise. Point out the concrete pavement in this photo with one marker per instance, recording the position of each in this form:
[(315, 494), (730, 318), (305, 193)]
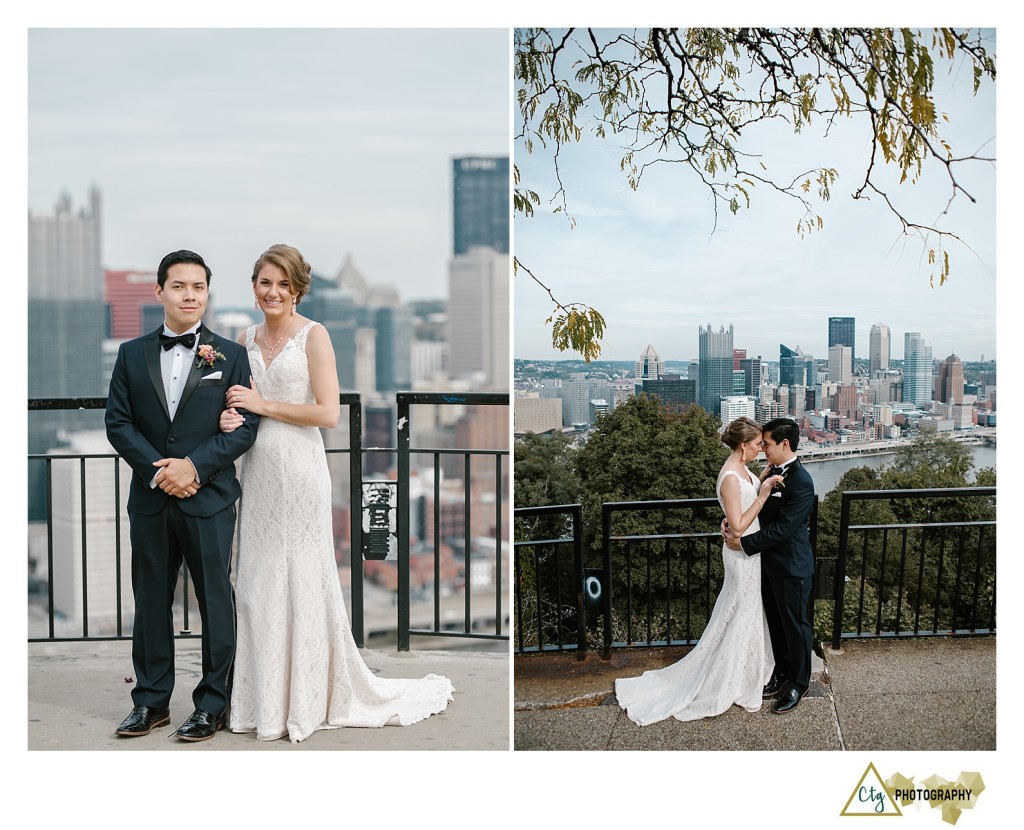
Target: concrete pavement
[(77, 695), (924, 694)]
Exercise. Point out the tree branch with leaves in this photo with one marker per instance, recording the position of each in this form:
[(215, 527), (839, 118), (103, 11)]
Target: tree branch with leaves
[(689, 96)]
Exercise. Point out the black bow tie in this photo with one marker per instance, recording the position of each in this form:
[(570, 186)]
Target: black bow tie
[(188, 340), (776, 471)]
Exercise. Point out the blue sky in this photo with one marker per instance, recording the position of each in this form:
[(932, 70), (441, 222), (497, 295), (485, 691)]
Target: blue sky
[(651, 262)]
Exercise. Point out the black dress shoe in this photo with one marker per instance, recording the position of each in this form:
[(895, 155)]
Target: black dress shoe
[(142, 721), (200, 727), (789, 697), (775, 684)]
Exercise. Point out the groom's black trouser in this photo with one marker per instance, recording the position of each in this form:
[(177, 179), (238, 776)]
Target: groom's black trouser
[(786, 600), (159, 543)]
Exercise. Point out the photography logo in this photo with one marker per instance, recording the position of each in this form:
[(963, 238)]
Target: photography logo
[(874, 797), (870, 797)]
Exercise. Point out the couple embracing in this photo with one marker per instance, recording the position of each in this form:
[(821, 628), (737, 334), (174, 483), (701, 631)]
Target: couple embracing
[(757, 644), (184, 404)]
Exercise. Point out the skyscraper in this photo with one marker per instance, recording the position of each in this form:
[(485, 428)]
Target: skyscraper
[(917, 370), (393, 324), (879, 348), (67, 321), (481, 204), (841, 333), (478, 335), (840, 364), (751, 367), (648, 367), (715, 359), (791, 366), (951, 380)]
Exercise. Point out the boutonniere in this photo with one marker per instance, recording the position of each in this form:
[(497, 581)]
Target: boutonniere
[(208, 355)]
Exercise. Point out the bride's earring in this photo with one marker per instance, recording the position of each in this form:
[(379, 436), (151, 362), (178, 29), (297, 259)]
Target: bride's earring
[(255, 303), (294, 304)]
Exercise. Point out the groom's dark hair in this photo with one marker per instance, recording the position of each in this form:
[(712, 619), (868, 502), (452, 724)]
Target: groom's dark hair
[(783, 429), (176, 258)]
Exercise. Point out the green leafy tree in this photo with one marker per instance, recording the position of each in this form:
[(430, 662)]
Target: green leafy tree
[(686, 97), (936, 577), (546, 592), (640, 451)]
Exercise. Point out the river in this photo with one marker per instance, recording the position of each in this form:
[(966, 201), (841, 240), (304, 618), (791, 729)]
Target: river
[(826, 474)]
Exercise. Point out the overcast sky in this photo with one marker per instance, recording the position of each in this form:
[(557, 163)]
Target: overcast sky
[(227, 141), (649, 261)]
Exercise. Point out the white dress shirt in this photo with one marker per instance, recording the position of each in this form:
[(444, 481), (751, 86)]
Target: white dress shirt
[(175, 364)]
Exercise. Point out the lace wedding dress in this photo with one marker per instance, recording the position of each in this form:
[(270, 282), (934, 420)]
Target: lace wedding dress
[(733, 660), (297, 668)]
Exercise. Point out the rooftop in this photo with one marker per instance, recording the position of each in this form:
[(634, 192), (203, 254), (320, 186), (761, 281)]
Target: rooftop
[(78, 694)]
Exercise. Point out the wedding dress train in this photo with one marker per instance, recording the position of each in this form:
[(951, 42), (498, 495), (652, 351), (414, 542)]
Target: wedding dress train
[(733, 660), (297, 668)]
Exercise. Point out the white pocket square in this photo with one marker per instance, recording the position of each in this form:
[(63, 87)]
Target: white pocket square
[(211, 376), (776, 495)]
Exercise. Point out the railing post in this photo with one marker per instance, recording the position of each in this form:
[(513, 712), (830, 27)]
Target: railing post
[(85, 547), (355, 500), (606, 533), (840, 583), (577, 558), (402, 523)]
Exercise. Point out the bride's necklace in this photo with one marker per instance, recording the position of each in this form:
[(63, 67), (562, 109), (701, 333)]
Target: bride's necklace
[(266, 339)]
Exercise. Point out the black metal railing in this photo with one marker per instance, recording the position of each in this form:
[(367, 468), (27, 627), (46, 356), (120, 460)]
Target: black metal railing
[(470, 623), (115, 552), (550, 590), (915, 563), (921, 563), (104, 547), (661, 584)]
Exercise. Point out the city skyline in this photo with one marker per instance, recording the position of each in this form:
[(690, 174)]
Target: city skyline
[(197, 140), (654, 264)]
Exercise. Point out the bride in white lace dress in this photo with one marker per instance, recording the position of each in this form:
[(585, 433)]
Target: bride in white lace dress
[(297, 668), (733, 660)]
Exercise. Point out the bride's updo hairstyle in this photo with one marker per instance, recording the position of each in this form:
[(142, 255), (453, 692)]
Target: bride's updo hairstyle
[(289, 260), (740, 431)]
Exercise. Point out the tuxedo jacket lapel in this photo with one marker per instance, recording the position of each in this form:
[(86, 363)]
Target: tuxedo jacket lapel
[(151, 348), (195, 373)]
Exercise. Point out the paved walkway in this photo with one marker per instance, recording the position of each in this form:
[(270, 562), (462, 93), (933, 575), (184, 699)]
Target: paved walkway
[(77, 695), (927, 694)]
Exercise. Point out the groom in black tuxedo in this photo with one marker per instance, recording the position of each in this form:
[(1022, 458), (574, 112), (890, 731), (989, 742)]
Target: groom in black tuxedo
[(163, 409), (787, 564)]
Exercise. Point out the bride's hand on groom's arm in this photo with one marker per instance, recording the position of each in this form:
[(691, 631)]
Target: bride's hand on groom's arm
[(243, 397), (231, 419)]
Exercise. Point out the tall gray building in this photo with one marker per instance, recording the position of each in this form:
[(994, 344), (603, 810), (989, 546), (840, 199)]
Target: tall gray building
[(879, 348), (715, 359), (481, 204), (394, 348), (67, 322), (336, 308), (478, 331), (917, 370)]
